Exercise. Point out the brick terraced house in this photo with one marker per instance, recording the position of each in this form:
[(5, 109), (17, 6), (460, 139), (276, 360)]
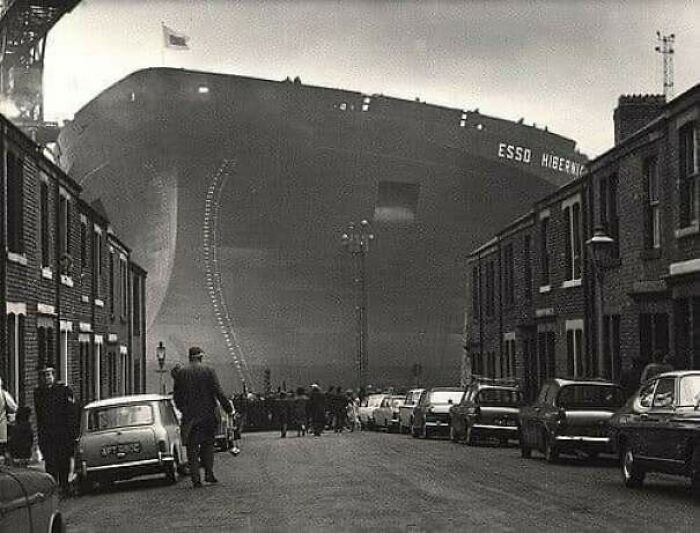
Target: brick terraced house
[(70, 294), (532, 288)]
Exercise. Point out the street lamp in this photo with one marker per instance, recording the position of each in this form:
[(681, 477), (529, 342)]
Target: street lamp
[(600, 244), (357, 240), (160, 356)]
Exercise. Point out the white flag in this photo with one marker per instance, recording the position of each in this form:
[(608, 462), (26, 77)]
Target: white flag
[(175, 40)]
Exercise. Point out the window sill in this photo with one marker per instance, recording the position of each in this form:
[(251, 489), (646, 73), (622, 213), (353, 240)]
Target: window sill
[(650, 253), (20, 259), (692, 229), (545, 288), (66, 280), (46, 273), (571, 283), (99, 303)]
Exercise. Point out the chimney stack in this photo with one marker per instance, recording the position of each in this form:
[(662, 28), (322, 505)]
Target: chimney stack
[(634, 112)]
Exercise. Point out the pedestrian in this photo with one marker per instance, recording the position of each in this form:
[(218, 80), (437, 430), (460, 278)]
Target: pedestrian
[(340, 407), (22, 437), (317, 410), (300, 411), (352, 406), (56, 424), (196, 393), (8, 407), (658, 365), (284, 413), (237, 421)]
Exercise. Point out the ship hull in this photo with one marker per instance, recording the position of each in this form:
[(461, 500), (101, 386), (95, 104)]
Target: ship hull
[(234, 200)]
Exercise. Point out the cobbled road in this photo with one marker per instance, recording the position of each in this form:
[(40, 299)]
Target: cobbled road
[(389, 482)]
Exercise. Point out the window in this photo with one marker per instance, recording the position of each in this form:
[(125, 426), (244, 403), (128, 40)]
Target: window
[(653, 334), (63, 364), (688, 171), (112, 373), (527, 268), (509, 274), (652, 222), (111, 284), (546, 343), (15, 203), (544, 251), (86, 373), (124, 281), (14, 365), (572, 259), (97, 261), (611, 341), (45, 336), (136, 305), (490, 289), (475, 291), (97, 367), (646, 394), (664, 394), (64, 221), (44, 223), (574, 348), (83, 245), (608, 212), (508, 368)]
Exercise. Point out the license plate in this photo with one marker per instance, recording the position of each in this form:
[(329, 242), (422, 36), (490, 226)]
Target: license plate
[(121, 449), (506, 422)]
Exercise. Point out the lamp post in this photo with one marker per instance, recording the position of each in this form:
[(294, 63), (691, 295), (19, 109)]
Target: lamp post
[(357, 240), (600, 245), (160, 356)]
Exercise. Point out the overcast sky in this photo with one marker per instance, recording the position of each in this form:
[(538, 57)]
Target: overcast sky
[(557, 63)]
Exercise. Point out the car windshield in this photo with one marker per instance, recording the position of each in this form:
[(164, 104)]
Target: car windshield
[(445, 396), (102, 418), (497, 397), (690, 390), (395, 402), (590, 397)]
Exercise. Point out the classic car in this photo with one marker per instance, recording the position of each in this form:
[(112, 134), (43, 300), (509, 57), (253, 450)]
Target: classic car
[(29, 501), (366, 409), (406, 409), (386, 416), (432, 414), (487, 410), (570, 416), (658, 429), (128, 436)]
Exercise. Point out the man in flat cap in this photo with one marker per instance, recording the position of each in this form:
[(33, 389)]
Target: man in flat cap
[(56, 420), (196, 393)]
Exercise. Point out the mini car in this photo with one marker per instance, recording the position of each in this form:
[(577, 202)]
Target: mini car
[(366, 410), (488, 409), (570, 416), (406, 409), (128, 436), (386, 416), (432, 414), (658, 429), (29, 501)]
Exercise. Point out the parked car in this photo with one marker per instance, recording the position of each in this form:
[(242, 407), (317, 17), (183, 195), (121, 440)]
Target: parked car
[(406, 409), (29, 501), (570, 416), (386, 416), (487, 410), (432, 414), (658, 429), (366, 409), (128, 436)]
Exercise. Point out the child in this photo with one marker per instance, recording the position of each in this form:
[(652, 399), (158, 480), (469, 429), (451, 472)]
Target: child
[(22, 437), (236, 418)]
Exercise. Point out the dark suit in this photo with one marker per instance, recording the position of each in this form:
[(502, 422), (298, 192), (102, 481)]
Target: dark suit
[(196, 393)]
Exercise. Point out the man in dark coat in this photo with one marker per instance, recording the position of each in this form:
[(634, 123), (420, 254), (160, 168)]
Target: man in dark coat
[(196, 393), (317, 410), (56, 424)]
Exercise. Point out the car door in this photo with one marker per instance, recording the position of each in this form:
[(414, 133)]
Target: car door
[(459, 413), (528, 417), (658, 422)]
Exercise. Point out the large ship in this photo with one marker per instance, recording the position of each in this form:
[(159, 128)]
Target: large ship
[(234, 192)]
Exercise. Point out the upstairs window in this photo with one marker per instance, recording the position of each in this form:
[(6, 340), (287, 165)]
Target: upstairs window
[(44, 223), (490, 289), (572, 220), (544, 251), (64, 221), (527, 268), (15, 203), (97, 261), (124, 281), (688, 172), (83, 245), (608, 212), (652, 222), (509, 274)]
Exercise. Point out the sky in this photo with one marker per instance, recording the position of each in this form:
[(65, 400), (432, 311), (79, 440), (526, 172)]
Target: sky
[(559, 63)]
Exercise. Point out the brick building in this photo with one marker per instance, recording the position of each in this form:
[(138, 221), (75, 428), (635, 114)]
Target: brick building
[(72, 296), (532, 288)]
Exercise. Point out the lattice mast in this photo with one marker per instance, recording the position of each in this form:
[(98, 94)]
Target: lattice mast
[(24, 25), (665, 48)]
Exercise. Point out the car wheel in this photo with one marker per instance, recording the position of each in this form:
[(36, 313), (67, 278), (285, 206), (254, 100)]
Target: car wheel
[(470, 436), (85, 485), (414, 431), (171, 472), (453, 434), (632, 473), (551, 454)]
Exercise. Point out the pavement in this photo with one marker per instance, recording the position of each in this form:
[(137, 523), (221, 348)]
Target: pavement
[(367, 481)]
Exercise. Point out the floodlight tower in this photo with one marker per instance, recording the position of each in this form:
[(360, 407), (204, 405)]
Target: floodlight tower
[(665, 48)]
